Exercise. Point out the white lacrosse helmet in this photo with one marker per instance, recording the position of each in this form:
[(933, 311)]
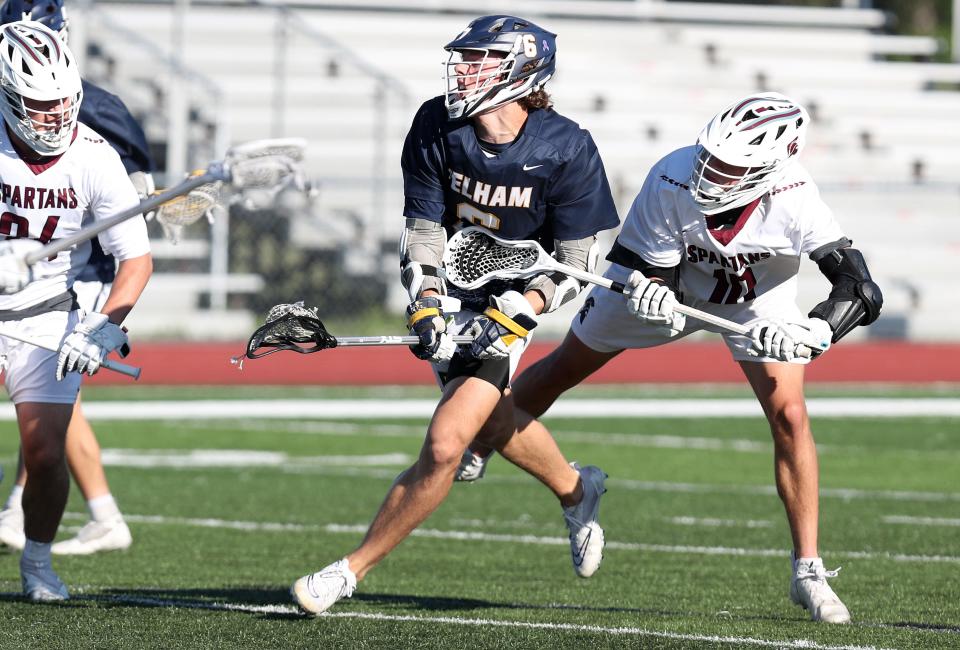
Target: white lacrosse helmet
[(745, 150), (36, 68)]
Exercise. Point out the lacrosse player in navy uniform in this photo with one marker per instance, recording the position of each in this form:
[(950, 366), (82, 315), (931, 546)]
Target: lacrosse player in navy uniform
[(492, 153), (109, 117), (722, 225)]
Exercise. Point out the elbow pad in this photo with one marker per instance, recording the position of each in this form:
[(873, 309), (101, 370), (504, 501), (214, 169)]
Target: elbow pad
[(558, 289), (855, 298)]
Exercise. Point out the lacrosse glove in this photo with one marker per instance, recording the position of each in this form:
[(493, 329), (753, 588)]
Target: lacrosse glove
[(814, 333), (85, 348), (506, 323), (425, 320), (15, 273), (772, 338), (653, 304)]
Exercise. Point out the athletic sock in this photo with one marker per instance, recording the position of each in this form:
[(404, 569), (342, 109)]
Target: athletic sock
[(38, 552), (103, 508), (15, 500)]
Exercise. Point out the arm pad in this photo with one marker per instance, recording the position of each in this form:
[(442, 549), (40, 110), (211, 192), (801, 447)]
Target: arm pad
[(421, 254), (669, 276), (855, 298)]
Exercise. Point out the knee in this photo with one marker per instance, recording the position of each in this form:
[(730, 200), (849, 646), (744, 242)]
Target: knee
[(442, 454), (789, 420), (42, 455)]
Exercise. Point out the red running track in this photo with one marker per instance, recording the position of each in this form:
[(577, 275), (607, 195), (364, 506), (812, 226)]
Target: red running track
[(209, 364)]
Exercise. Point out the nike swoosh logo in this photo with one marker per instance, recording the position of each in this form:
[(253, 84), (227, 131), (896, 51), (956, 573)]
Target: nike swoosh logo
[(527, 168), (581, 550)]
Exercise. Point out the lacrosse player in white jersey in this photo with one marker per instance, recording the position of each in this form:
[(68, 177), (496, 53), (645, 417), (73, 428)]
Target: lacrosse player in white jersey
[(107, 115), (721, 226), (55, 174)]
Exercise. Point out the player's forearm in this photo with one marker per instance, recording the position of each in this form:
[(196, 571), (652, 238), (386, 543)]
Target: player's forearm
[(422, 247), (132, 276)]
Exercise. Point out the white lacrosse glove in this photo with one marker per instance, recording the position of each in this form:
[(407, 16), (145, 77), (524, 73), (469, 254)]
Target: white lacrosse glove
[(653, 303), (84, 349), (773, 338), (505, 324), (425, 319), (813, 333), (15, 273)]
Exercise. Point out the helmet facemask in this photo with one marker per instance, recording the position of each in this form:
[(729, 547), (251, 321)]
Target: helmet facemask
[(481, 80), (45, 126), (717, 186)]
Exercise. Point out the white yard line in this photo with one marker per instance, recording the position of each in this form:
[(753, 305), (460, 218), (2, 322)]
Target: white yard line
[(579, 408), (366, 467), (239, 458), (805, 644), (920, 521), (711, 522), (540, 540)]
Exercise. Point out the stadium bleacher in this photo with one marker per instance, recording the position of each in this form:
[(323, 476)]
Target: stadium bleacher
[(883, 142)]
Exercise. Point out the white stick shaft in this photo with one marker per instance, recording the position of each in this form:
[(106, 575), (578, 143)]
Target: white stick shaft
[(98, 227), (618, 287), (116, 366), (356, 341)]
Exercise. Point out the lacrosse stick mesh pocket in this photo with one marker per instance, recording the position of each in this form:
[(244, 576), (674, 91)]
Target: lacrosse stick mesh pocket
[(290, 327), (185, 210), (476, 255)]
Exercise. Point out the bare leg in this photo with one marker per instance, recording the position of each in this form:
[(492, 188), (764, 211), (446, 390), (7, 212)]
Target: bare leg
[(779, 387), (43, 430), (83, 455), (466, 404), (529, 445)]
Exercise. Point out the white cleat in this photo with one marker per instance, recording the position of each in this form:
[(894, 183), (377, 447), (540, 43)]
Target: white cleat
[(809, 589), (472, 466), (11, 528), (586, 535), (95, 536), (318, 592), (40, 582)]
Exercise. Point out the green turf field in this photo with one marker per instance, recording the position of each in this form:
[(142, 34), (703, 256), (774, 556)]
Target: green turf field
[(696, 557)]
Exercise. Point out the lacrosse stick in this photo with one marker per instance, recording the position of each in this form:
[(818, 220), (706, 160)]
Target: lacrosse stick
[(474, 257), (298, 328), (116, 366), (254, 167)]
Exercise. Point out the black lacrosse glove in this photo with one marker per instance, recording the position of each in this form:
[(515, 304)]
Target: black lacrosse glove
[(505, 324), (425, 320)]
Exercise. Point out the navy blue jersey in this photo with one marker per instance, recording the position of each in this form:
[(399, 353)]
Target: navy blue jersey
[(107, 115), (549, 184)]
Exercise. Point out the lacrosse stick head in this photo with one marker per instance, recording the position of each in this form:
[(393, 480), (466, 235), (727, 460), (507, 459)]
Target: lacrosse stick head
[(179, 212), (474, 257), (290, 327)]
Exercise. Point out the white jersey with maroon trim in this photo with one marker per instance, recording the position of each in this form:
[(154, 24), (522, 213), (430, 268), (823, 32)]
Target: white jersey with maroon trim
[(759, 254), (53, 200)]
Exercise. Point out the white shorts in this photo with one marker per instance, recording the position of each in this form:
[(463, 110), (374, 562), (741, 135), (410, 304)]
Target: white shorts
[(29, 372), (91, 295), (604, 324)]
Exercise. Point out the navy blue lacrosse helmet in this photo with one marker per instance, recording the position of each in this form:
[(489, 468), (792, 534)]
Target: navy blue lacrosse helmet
[(496, 60), (49, 12)]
